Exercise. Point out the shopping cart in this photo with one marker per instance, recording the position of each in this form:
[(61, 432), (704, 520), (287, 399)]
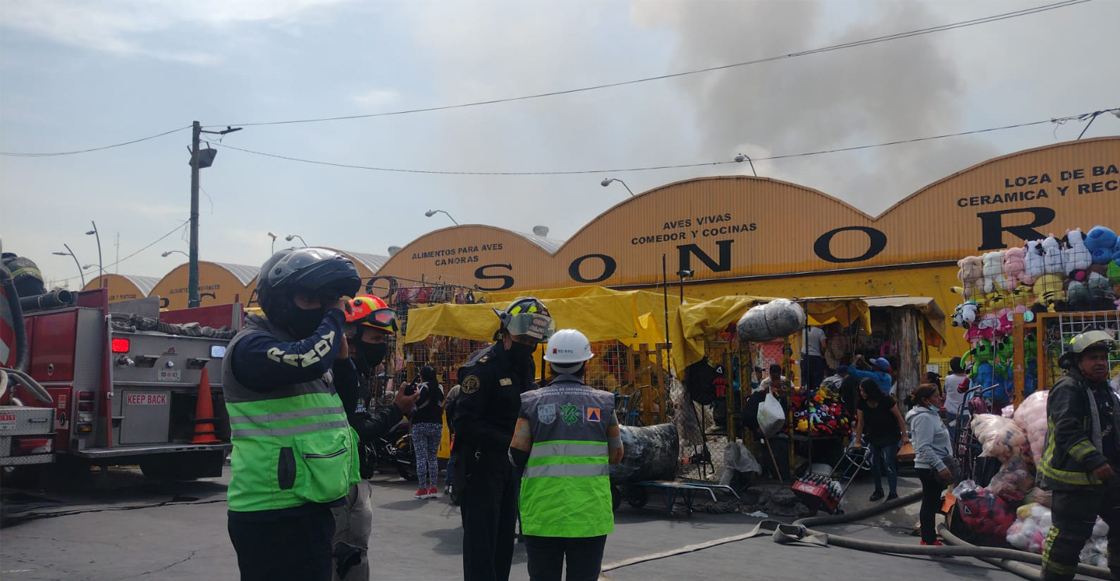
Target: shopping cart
[(824, 492)]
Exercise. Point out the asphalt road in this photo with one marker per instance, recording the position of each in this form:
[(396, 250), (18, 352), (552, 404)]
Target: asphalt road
[(122, 527)]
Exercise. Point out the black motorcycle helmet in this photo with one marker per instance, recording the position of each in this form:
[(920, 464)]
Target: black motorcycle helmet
[(316, 271)]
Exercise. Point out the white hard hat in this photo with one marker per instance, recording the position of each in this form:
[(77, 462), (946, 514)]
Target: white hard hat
[(568, 346)]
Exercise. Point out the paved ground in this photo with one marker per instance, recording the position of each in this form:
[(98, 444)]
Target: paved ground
[(125, 528)]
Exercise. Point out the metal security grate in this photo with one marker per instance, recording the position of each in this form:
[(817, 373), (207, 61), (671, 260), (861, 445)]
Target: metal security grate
[(1059, 328)]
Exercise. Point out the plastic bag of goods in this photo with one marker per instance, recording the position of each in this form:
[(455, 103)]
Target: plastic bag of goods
[(1013, 481), (1031, 417), (1029, 531), (774, 320), (737, 458), (1095, 552), (1000, 437), (771, 416), (987, 516)]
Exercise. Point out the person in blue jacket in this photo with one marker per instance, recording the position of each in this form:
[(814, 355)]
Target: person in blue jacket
[(861, 369)]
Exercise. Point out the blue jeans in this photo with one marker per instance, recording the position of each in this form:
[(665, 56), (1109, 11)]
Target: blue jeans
[(884, 459), (450, 479)]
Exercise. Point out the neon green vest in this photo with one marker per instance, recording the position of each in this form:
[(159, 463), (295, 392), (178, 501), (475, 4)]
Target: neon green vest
[(565, 489), (291, 446)]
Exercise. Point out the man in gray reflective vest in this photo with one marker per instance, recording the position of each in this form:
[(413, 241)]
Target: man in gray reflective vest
[(566, 435)]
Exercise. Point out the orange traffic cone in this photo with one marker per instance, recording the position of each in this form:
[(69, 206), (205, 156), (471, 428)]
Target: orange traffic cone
[(204, 413)]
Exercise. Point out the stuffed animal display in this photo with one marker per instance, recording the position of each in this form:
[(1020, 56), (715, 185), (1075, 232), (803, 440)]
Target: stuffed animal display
[(822, 414)]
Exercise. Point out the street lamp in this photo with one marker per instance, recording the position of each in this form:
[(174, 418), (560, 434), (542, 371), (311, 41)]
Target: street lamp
[(100, 263), (290, 236), (273, 237), (739, 159), (683, 274), (70, 253), (431, 213), (607, 181), (170, 252)]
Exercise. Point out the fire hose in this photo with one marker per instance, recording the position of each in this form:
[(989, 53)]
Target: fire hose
[(1011, 560)]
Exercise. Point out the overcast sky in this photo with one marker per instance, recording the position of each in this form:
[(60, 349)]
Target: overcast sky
[(88, 73)]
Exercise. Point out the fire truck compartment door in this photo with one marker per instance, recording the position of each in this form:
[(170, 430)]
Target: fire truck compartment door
[(146, 417)]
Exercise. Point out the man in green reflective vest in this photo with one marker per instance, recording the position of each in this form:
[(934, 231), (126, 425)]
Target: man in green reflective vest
[(565, 437), (294, 453)]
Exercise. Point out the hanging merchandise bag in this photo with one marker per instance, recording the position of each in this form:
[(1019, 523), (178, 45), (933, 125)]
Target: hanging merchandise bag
[(771, 416)]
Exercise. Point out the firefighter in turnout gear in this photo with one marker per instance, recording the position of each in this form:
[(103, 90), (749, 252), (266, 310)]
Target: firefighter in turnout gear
[(369, 324), (1081, 456), (566, 436), (293, 450), (491, 384)]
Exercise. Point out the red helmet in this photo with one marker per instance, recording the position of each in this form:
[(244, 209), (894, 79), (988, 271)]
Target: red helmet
[(372, 311)]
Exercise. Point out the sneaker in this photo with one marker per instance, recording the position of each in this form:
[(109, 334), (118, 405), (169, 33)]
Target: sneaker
[(877, 495), (892, 496), (433, 492), (421, 494)]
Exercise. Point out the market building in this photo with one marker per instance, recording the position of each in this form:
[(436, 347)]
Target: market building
[(218, 283), (740, 235), (124, 287)]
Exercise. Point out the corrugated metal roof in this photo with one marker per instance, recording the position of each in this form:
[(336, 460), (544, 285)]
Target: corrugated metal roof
[(243, 272), (144, 283), (370, 261), (550, 245)]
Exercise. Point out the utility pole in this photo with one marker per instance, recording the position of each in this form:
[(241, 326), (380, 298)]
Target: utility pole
[(198, 161), (192, 272)]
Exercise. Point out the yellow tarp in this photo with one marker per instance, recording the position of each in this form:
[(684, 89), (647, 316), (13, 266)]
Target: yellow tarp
[(632, 317)]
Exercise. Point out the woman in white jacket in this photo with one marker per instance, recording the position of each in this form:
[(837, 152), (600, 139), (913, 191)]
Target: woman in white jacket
[(933, 458)]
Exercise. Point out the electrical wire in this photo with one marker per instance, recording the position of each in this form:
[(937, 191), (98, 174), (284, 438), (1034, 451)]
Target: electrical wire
[(102, 148), (153, 243), (660, 167), (819, 50)]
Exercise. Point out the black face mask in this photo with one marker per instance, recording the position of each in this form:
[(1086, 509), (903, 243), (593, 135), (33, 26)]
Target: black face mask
[(522, 352), (372, 353), (304, 322)]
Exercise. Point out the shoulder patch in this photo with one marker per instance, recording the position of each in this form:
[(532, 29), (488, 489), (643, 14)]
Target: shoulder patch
[(470, 384)]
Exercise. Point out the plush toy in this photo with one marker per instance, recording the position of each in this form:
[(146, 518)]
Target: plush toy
[(993, 272), (1022, 296), (1101, 243), (1052, 256), (1035, 262), (1048, 291), (1100, 291), (1014, 265), (1076, 258), (1077, 295), (988, 325), (981, 356), (1030, 359), (965, 314), (970, 273), (1005, 362), (996, 301)]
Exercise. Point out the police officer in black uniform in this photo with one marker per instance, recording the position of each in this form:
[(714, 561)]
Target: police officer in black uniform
[(491, 384)]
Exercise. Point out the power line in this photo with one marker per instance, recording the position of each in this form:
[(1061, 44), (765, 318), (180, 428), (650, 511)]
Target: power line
[(819, 50), (102, 148), (668, 166), (154, 242)]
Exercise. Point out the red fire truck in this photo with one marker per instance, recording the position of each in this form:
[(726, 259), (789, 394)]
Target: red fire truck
[(124, 382)]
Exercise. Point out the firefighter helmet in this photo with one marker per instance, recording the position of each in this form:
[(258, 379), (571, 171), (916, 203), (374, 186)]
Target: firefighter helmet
[(1084, 342), (526, 316), (371, 311)]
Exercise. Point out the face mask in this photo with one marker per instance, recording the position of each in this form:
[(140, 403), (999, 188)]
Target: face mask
[(304, 322), (372, 353), (521, 351)]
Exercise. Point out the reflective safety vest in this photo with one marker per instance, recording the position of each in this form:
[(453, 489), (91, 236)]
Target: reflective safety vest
[(565, 489), (291, 445)]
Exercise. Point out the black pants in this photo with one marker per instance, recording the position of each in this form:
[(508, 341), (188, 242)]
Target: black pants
[(291, 547), (584, 557), (932, 487), (488, 504), (812, 371), (1074, 514)]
